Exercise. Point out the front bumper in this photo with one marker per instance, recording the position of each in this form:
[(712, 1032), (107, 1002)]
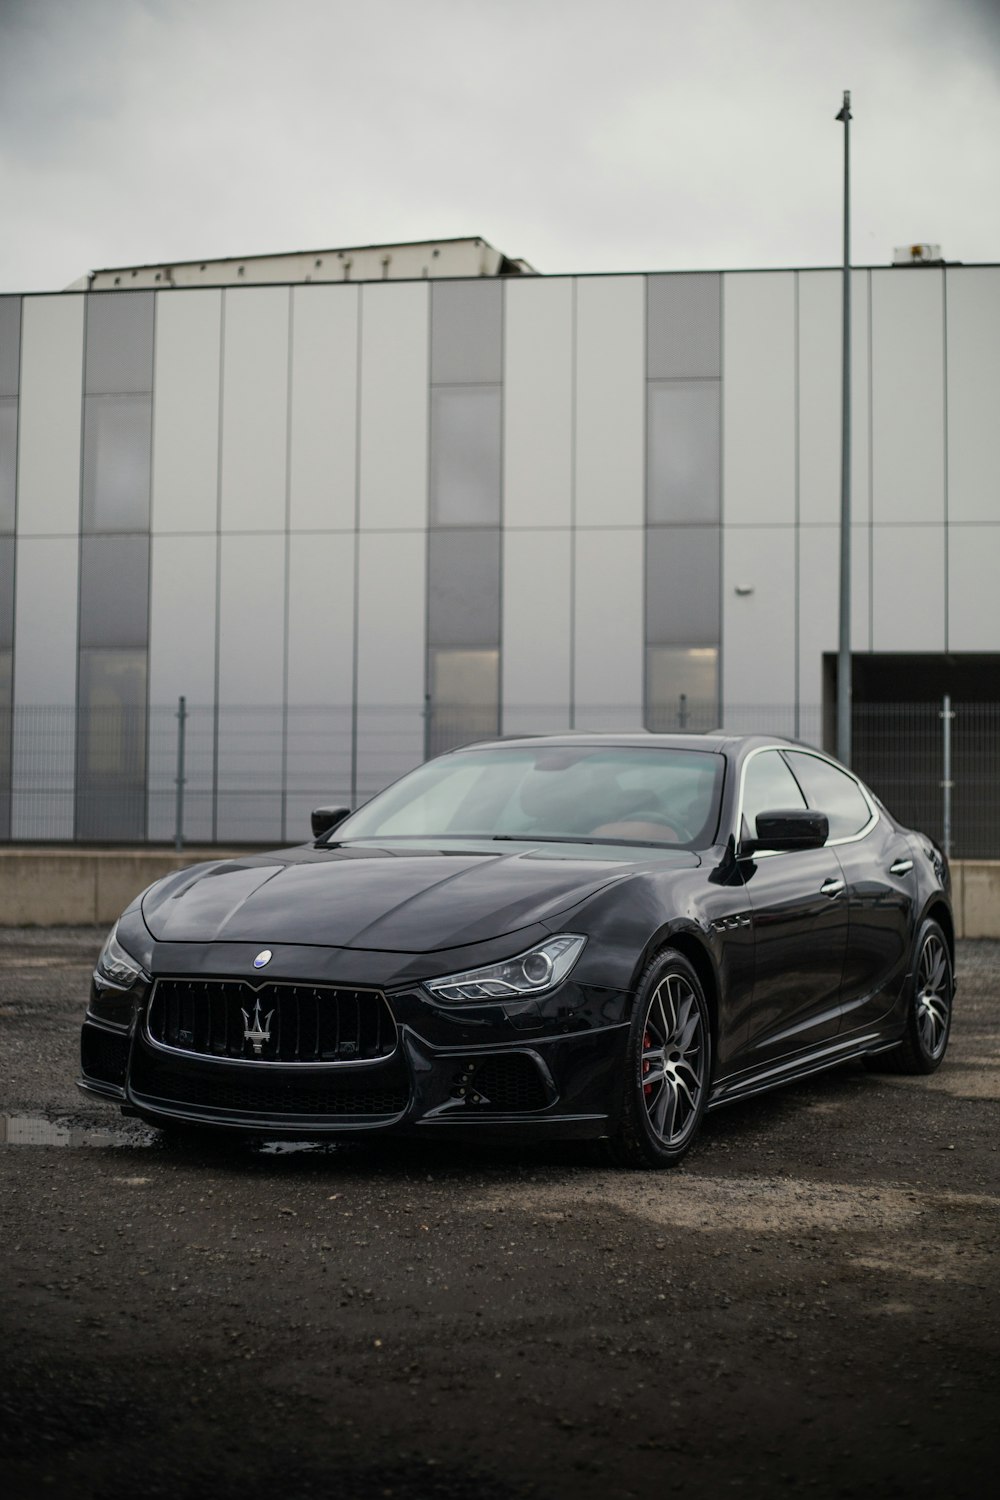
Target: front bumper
[(550, 1066)]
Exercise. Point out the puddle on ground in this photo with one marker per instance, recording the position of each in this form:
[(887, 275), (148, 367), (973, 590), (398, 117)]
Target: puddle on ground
[(35, 1130)]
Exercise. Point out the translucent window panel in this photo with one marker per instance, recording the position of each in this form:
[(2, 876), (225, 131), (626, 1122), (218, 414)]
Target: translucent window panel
[(119, 342), (682, 585), (684, 446), (111, 745), (463, 588), (114, 591), (8, 462), (116, 457), (465, 455), (683, 325), (466, 332), (465, 694), (10, 344), (682, 688)]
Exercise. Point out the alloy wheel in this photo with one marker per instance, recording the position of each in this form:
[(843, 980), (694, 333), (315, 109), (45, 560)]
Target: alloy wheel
[(673, 1060), (933, 998)]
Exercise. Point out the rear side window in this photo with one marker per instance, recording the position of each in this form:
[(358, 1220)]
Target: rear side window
[(831, 791)]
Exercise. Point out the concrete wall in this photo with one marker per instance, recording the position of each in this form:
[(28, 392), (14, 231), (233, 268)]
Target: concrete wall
[(76, 887)]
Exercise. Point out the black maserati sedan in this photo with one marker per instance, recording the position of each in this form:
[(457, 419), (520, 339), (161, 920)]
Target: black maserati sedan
[(593, 936)]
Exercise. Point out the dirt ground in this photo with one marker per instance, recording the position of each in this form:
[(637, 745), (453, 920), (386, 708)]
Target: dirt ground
[(809, 1305)]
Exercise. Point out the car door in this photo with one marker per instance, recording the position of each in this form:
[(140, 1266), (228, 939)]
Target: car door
[(877, 863), (800, 924)]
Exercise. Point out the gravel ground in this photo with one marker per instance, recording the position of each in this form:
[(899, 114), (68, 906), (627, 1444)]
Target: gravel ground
[(809, 1305)]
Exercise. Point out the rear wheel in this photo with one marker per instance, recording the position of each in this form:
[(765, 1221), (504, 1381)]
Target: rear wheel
[(928, 1019), (667, 1066)]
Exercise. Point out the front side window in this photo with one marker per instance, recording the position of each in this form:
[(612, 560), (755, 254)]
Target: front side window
[(768, 786)]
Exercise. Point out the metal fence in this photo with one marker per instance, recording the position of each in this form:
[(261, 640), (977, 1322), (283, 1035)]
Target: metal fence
[(197, 774)]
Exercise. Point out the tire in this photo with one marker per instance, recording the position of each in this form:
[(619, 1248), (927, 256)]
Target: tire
[(667, 1066), (928, 1012)]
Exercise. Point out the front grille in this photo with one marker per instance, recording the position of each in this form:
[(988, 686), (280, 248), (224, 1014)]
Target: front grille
[(281, 1023), (103, 1055), (260, 1091), (512, 1083)]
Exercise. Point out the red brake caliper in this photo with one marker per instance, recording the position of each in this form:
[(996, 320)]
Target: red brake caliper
[(647, 1042)]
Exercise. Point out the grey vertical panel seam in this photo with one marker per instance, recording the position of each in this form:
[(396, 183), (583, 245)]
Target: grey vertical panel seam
[(502, 560), (871, 464), (798, 475), (13, 575), (218, 562), (645, 500), (79, 558), (722, 491), (359, 356), (573, 355), (149, 559), (428, 705), (947, 531), (288, 563)]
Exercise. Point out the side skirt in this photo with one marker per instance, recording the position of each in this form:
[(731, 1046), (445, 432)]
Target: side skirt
[(729, 1090)]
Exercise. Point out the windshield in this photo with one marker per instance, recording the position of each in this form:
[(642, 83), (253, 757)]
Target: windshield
[(606, 794)]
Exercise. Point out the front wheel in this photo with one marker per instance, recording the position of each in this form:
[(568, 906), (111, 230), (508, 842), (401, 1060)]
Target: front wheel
[(928, 1017), (667, 1066)]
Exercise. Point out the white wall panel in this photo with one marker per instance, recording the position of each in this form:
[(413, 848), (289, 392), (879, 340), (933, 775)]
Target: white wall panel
[(182, 606), (758, 629), (186, 411), (820, 360), (610, 398), (321, 620), (392, 614), (974, 393), (907, 396), (536, 630), (323, 438), (45, 633), (819, 601), (973, 595), (758, 391), (538, 402), (251, 686), (50, 415), (908, 579), (394, 395), (608, 647), (254, 408)]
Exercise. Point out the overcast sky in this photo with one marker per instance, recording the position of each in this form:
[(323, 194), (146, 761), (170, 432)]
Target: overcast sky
[(584, 135)]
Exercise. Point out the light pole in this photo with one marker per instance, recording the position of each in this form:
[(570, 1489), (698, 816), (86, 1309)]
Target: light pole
[(844, 645)]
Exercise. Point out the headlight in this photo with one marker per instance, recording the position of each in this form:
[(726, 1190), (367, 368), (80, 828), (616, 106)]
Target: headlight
[(530, 973), (115, 966)]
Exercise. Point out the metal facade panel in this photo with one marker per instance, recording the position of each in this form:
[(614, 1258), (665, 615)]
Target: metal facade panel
[(758, 628), (251, 621), (908, 467), (973, 596), (908, 586), (538, 403), (820, 362), (393, 412), (758, 388), (321, 600), (255, 409), (391, 655), (45, 632), (51, 408), (610, 354), (537, 645), (323, 439), (818, 629), (186, 411), (608, 625), (974, 394)]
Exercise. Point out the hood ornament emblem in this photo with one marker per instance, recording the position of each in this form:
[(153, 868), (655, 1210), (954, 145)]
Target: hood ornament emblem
[(260, 1031), (263, 957)]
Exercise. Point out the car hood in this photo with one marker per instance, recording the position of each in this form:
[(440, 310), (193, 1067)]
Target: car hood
[(389, 900)]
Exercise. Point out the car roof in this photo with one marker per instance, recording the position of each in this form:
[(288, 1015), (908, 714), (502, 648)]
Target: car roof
[(718, 742)]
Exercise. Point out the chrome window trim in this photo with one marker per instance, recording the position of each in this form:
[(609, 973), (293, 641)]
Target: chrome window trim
[(851, 838), (268, 1062)]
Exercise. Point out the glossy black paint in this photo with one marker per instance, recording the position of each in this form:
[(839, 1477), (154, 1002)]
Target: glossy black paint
[(803, 955)]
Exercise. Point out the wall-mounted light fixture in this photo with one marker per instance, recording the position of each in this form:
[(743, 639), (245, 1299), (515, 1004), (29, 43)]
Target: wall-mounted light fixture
[(743, 589)]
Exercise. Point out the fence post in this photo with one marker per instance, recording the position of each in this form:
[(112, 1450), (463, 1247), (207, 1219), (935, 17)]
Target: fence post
[(181, 717), (946, 784), (682, 711)]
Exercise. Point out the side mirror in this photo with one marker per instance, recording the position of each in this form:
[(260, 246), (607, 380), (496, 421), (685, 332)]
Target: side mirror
[(799, 828), (325, 819)]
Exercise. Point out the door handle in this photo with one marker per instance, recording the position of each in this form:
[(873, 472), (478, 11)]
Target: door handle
[(832, 887), (901, 867)]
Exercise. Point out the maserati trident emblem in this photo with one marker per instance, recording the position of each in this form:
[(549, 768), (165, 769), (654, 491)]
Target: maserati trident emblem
[(263, 957), (260, 1031)]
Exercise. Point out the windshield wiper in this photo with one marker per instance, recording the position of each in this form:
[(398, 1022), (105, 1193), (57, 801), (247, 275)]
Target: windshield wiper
[(555, 838)]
